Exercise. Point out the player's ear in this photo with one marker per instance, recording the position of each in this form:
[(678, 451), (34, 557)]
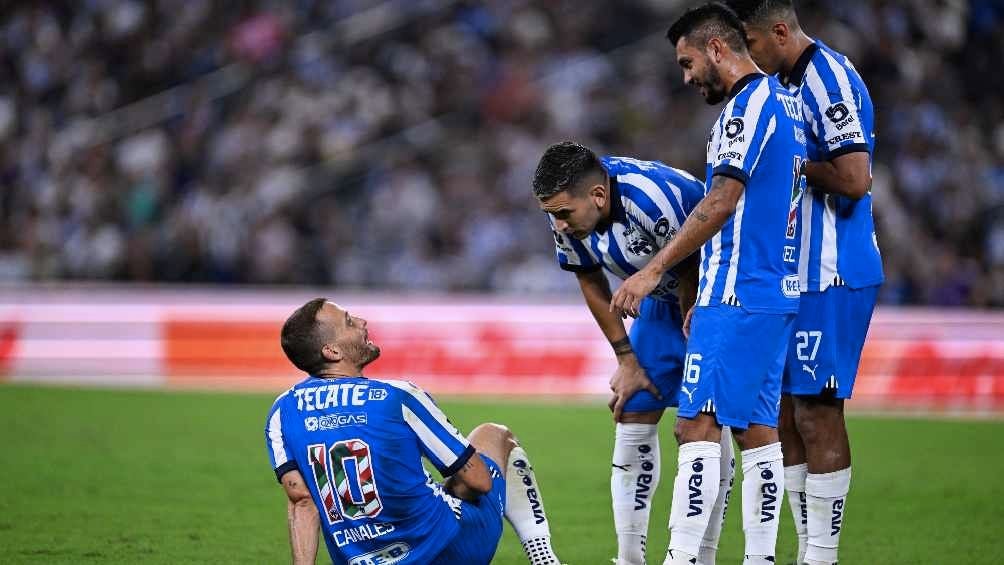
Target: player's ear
[(714, 49), (331, 353), (780, 32), (598, 194)]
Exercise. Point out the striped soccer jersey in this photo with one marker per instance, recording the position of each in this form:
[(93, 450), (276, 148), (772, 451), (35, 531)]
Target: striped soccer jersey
[(838, 233), (359, 445), (758, 140)]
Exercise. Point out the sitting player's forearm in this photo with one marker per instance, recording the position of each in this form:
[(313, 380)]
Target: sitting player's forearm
[(303, 531), (460, 490), (847, 175), (702, 224)]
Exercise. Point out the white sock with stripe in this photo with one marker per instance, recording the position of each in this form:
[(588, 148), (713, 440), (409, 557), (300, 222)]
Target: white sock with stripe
[(709, 545), (826, 496), (524, 509), (794, 484), (763, 489), (695, 491), (633, 478)]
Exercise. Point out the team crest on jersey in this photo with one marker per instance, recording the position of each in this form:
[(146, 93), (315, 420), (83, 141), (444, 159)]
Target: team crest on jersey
[(662, 229), (638, 243)]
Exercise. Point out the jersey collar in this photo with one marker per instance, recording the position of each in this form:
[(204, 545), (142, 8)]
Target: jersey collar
[(741, 83), (617, 213), (797, 73)]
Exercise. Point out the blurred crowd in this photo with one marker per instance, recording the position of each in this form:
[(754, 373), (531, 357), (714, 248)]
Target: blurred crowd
[(389, 145)]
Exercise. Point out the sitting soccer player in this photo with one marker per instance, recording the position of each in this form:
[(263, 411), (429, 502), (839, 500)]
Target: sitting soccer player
[(348, 452)]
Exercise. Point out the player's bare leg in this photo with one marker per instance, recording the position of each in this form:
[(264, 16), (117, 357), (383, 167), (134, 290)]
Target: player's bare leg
[(524, 507), (794, 471), (763, 489), (634, 476), (696, 487), (820, 422)]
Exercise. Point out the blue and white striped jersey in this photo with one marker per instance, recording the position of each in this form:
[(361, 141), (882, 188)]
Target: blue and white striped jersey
[(649, 203), (758, 139), (359, 445), (838, 234)]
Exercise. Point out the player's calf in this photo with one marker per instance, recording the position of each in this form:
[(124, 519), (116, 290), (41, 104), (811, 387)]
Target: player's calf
[(821, 424), (696, 487), (634, 476), (524, 509)]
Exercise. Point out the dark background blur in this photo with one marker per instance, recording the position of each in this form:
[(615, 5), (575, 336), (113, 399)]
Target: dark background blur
[(389, 145)]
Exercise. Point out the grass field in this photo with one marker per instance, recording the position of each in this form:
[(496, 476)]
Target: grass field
[(103, 476)]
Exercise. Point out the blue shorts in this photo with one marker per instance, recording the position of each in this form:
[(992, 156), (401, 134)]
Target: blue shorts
[(734, 365), (826, 347), (480, 525), (657, 339)]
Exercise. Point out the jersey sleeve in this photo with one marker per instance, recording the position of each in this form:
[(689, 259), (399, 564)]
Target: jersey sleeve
[(440, 441), (572, 255), (831, 110), (275, 443), (746, 125)]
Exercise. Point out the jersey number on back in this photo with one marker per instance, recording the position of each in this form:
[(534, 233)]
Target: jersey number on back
[(344, 478)]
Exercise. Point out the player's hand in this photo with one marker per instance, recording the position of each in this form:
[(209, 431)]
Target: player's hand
[(628, 379), (686, 322), (628, 297)]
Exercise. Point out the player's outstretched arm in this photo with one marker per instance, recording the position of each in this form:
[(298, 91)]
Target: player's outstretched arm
[(702, 224), (303, 519), (630, 377), (847, 175), (471, 481)]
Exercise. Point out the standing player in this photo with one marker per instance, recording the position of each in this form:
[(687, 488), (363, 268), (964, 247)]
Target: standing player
[(615, 213), (840, 268), (747, 224), (360, 443)]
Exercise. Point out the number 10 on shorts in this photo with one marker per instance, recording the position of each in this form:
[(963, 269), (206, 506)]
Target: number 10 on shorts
[(691, 369)]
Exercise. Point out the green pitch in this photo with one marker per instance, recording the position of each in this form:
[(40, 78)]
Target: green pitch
[(100, 476)]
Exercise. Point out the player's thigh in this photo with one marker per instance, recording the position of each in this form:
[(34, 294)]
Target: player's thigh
[(734, 365), (480, 525), (659, 345), (812, 353)]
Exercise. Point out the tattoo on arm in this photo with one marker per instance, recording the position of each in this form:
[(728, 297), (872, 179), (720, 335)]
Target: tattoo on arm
[(622, 346), (700, 215)]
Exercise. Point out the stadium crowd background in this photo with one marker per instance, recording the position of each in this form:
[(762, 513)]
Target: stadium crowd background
[(389, 145)]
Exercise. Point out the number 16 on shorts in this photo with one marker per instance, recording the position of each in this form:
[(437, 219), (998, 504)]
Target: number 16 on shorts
[(691, 378)]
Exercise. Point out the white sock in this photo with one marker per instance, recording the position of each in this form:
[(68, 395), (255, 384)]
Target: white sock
[(826, 495), (763, 489), (524, 509), (727, 466), (633, 478), (694, 493), (794, 484)]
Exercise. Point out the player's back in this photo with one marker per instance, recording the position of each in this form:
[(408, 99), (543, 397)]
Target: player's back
[(752, 261), (359, 444)]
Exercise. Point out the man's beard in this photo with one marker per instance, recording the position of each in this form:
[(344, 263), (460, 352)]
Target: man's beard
[(366, 354), (714, 88)]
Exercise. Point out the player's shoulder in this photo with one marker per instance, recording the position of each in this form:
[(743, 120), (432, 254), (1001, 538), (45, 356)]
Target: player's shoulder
[(399, 388), (832, 68)]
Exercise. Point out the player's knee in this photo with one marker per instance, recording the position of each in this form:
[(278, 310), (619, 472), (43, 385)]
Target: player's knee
[(492, 437), (687, 431)]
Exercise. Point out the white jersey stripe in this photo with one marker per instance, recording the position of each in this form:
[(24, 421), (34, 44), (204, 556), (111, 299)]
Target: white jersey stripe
[(841, 75), (737, 224), (803, 257), (828, 251), (651, 190), (712, 271), (430, 407), (435, 445), (278, 445)]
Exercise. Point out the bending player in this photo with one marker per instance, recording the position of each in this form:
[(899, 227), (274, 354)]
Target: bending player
[(840, 268), (348, 452), (748, 294), (616, 213)]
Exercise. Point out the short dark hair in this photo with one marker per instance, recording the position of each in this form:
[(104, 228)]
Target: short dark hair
[(707, 21), (562, 166), (760, 12), (301, 337)]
